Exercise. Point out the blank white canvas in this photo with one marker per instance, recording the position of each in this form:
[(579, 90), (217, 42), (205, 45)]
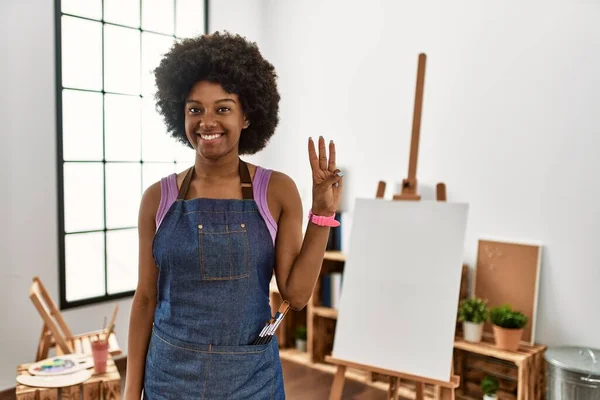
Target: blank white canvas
[(401, 285)]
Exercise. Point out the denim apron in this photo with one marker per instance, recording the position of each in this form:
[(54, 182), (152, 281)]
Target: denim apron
[(215, 259)]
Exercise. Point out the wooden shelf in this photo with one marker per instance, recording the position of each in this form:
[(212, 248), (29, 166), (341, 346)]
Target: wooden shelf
[(521, 373), (326, 312), (295, 355), (335, 256), (489, 349)]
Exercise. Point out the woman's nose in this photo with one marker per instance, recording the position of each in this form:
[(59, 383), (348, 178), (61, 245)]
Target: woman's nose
[(208, 121)]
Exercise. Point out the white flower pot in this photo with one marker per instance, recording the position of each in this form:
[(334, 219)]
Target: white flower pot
[(490, 397), (472, 332), (301, 344)]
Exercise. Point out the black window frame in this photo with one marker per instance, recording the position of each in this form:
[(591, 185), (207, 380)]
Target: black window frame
[(64, 304)]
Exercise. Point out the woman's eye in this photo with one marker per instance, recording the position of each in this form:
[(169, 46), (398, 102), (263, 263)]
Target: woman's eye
[(223, 109), (194, 110)]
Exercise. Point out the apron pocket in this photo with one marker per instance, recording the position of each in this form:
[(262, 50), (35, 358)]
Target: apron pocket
[(241, 372), (174, 372), (223, 251)]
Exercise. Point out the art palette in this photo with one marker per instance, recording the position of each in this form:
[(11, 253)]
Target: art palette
[(55, 381), (61, 365)]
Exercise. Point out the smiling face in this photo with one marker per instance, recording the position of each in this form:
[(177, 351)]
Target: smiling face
[(213, 120)]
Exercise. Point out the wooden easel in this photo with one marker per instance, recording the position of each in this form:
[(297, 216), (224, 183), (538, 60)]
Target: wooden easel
[(443, 390), (57, 334)]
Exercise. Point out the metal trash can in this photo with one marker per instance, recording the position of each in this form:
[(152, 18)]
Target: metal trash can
[(573, 373)]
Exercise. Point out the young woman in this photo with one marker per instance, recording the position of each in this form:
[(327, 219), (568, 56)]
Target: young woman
[(212, 236)]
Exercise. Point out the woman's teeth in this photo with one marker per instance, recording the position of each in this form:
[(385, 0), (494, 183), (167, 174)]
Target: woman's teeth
[(211, 136)]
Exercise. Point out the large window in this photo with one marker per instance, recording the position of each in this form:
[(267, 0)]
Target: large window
[(111, 142)]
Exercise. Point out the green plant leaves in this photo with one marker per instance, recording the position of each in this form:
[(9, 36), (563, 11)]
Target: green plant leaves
[(489, 385), (505, 317), (473, 310)]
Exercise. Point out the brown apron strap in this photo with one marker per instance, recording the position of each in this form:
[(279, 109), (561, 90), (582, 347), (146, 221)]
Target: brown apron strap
[(186, 184), (247, 191)]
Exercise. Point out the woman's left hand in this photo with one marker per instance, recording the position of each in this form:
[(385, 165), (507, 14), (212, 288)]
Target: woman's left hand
[(327, 179)]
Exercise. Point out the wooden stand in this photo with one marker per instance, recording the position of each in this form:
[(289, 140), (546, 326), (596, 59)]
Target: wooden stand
[(409, 184), (57, 334), (446, 388), (521, 374)]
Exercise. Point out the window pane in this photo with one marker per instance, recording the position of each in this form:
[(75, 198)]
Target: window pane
[(83, 196), (121, 60), (81, 53), (154, 47), (190, 18), (82, 125), (124, 12), (123, 194), (158, 16), (153, 172), (83, 8), (157, 144), (122, 251), (84, 265), (122, 127)]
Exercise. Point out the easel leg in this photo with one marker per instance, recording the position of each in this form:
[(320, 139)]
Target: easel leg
[(43, 345), (419, 390), (337, 388), (447, 394), (393, 388), (436, 392)]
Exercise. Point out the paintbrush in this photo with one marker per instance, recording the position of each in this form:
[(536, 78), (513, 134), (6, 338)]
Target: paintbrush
[(111, 326)]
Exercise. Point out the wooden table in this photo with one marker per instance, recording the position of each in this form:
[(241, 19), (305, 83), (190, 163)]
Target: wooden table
[(106, 386), (521, 373)]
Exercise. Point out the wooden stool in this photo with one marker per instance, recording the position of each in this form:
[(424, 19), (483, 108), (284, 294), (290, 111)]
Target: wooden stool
[(106, 386)]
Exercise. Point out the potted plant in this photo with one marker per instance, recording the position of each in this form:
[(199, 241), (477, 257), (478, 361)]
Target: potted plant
[(508, 326), (489, 387), (301, 338), (472, 313)]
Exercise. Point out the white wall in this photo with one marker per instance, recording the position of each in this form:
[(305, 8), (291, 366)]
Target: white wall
[(238, 16), (28, 241), (509, 121)]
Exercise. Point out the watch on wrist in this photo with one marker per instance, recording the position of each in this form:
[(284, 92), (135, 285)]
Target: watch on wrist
[(322, 220)]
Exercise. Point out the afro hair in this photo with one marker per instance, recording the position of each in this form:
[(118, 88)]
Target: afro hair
[(233, 62)]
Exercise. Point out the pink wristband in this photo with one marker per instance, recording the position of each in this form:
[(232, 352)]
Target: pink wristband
[(322, 220)]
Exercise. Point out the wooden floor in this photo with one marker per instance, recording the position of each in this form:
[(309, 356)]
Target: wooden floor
[(301, 382)]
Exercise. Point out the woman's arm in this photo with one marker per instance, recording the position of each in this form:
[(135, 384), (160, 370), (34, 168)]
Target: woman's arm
[(298, 260), (144, 300)]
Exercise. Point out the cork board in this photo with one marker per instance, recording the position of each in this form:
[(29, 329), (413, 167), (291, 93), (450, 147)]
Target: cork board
[(508, 273)]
